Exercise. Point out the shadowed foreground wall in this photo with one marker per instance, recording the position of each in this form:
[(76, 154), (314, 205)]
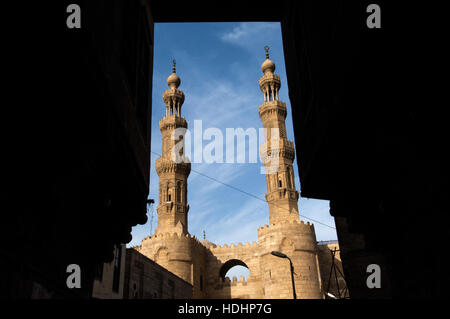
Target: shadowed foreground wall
[(144, 279)]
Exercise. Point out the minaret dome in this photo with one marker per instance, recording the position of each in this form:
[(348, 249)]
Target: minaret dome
[(268, 65)]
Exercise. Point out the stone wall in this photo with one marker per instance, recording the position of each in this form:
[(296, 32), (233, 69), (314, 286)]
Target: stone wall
[(145, 279)]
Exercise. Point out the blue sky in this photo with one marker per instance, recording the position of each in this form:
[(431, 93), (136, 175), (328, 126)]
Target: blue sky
[(219, 65)]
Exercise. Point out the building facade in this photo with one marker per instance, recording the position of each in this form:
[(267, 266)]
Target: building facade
[(204, 264), (110, 277), (145, 279)]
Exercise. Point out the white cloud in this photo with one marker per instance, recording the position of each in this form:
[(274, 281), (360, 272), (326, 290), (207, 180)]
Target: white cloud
[(250, 35)]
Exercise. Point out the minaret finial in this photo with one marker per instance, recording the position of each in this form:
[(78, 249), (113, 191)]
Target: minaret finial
[(266, 48), (173, 81), (204, 235)]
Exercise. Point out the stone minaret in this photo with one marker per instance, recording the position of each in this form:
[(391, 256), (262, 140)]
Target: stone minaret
[(172, 167), (278, 151), (286, 233)]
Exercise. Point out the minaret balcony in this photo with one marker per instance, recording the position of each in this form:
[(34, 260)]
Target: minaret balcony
[(165, 165), (283, 148), (274, 107), (269, 79), (172, 122), (173, 94)]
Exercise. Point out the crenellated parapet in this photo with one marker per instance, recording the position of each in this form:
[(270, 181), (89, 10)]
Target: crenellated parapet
[(234, 249), (293, 225), (298, 234), (234, 282), (171, 239), (244, 288), (171, 236)]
